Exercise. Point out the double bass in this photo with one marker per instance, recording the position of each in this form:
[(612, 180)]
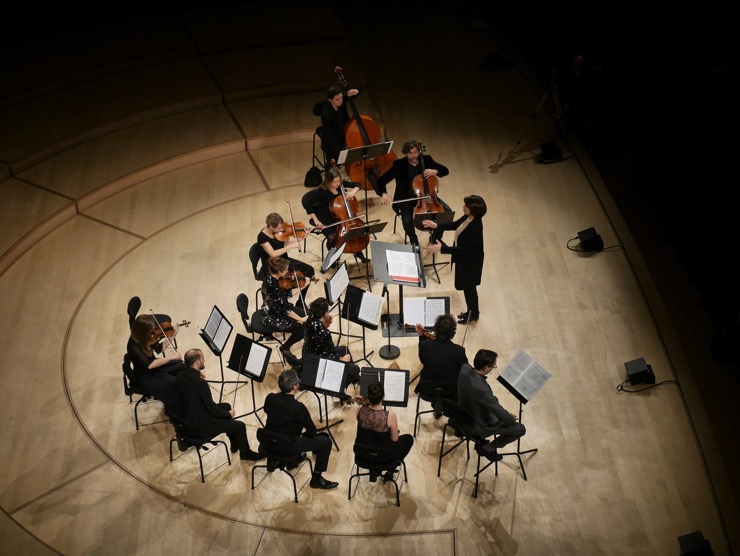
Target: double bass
[(363, 131), (345, 210), (426, 190)]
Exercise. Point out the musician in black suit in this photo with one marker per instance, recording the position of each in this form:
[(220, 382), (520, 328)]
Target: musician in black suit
[(334, 117), (467, 252), (205, 416)]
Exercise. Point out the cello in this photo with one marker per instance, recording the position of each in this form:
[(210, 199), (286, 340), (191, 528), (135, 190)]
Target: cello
[(345, 210), (363, 131), (426, 190)]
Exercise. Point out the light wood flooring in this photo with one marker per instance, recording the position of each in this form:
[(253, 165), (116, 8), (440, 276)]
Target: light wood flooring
[(141, 156)]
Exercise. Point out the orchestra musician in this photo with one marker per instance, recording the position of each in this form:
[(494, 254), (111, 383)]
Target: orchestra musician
[(273, 247), (334, 116), (278, 313), (318, 340), (156, 375), (403, 171), (441, 360), (467, 252), (317, 203)]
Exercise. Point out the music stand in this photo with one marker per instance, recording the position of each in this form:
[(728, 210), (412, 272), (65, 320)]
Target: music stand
[(365, 231), (250, 359), (368, 152), (440, 218), (332, 257), (523, 377), (215, 334), (358, 302), (325, 377), (395, 384)]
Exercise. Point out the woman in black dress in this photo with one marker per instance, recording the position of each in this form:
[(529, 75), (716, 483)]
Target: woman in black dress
[(278, 313)]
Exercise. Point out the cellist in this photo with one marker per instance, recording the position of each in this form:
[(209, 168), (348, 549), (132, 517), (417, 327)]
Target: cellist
[(317, 203), (404, 170)]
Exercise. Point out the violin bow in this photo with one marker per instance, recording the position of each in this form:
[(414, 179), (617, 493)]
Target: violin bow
[(164, 335), (300, 291), (466, 328)]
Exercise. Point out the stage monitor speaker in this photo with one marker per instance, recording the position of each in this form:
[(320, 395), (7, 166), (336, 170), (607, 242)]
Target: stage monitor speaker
[(639, 372), (694, 544), (551, 152), (590, 240)]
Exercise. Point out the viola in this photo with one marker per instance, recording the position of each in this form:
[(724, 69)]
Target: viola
[(426, 190), (345, 210), (298, 230), (421, 331), (166, 328), (296, 280), (362, 131)]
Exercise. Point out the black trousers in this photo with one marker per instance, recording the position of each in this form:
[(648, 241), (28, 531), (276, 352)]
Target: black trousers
[(406, 212), (471, 300), (320, 445), (236, 430)]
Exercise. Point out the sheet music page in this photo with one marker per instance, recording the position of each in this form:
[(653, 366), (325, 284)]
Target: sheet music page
[(338, 283), (371, 308), (413, 310), (332, 376), (402, 266), (222, 334), (516, 367), (394, 384), (256, 359), (532, 381), (212, 325), (434, 307)]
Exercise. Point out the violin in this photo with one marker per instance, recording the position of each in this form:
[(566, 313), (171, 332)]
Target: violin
[(426, 190), (296, 280), (297, 230), (166, 328), (345, 210), (362, 131), (421, 331)]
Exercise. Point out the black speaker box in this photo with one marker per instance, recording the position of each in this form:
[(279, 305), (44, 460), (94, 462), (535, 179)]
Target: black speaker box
[(639, 372), (694, 544), (590, 240), (551, 152)]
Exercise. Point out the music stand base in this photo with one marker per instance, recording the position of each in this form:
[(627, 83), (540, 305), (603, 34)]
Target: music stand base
[(389, 352)]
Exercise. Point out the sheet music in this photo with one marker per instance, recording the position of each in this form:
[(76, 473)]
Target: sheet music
[(338, 283), (256, 359), (222, 334), (414, 310), (434, 307), (371, 308), (402, 266), (331, 376), (394, 384), (212, 324), (524, 374)]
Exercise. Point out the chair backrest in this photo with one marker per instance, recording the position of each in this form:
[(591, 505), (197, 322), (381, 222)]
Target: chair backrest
[(134, 304), (277, 445), (242, 305), (129, 378), (372, 453), (255, 257)]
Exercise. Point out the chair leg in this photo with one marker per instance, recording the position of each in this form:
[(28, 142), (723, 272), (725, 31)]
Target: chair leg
[(200, 462), (416, 420)]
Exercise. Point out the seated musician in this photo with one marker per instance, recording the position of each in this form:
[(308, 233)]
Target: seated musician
[(379, 427), (274, 247), (278, 313), (441, 360), (318, 203), (403, 171), (155, 375), (318, 340)]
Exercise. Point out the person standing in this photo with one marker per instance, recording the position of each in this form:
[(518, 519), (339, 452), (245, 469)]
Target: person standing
[(203, 414), (334, 117), (289, 417), (475, 394), (403, 171), (467, 252)]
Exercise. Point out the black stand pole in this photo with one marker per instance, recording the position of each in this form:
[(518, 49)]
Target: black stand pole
[(255, 409), (329, 425), (389, 351)]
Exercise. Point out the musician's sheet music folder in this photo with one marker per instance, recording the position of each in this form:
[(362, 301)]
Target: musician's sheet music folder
[(523, 376), (424, 310), (395, 384), (362, 307), (322, 375)]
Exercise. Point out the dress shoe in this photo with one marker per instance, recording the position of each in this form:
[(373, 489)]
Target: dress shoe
[(488, 451), (234, 449), (323, 484), (388, 475), (251, 456), (360, 255), (465, 319)]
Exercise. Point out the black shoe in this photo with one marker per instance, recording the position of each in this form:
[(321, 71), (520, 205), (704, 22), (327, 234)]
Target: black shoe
[(292, 360), (323, 484), (271, 465), (234, 449), (388, 475), (251, 456), (360, 255), (488, 451), (465, 319)]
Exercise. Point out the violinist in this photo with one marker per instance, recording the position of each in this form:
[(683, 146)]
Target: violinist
[(318, 340), (334, 116), (317, 203), (278, 313), (154, 374), (441, 359), (467, 252), (272, 246), (404, 170)]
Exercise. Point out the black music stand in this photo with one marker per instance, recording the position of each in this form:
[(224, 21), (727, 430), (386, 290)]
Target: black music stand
[(523, 377), (396, 390), (313, 372), (365, 231), (215, 334), (440, 218), (356, 300), (368, 152), (249, 359)]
